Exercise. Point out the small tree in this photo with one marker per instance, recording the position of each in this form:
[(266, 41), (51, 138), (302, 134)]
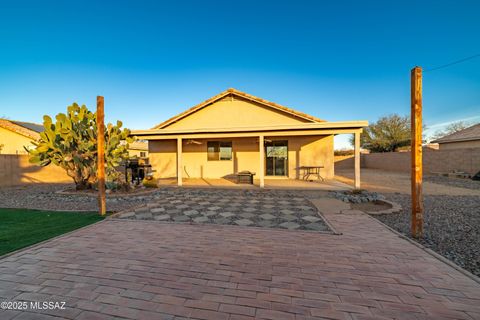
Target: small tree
[(451, 128), (387, 134), (71, 143)]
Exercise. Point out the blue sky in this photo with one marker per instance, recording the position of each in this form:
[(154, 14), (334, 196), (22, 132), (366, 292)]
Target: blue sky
[(338, 60)]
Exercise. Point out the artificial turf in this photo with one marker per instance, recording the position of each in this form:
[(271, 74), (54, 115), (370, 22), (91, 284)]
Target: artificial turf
[(20, 228)]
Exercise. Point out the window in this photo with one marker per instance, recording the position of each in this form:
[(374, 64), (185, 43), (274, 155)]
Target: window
[(219, 150), (143, 154)]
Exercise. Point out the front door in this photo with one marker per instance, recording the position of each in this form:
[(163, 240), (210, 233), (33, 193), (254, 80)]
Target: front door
[(276, 158)]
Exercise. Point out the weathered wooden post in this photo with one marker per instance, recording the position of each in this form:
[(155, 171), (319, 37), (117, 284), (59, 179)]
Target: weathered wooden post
[(102, 206), (416, 153)]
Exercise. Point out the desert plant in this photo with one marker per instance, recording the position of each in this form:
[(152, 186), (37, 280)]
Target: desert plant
[(71, 143), (150, 182)]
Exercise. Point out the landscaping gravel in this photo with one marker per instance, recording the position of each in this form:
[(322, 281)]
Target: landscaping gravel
[(46, 197), (451, 228), (454, 182)]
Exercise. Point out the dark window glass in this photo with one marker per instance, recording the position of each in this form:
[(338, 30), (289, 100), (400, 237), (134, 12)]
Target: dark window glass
[(219, 150)]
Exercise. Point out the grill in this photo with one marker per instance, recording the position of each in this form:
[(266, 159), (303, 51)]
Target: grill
[(140, 168)]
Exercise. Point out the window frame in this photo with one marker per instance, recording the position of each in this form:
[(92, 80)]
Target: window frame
[(215, 155)]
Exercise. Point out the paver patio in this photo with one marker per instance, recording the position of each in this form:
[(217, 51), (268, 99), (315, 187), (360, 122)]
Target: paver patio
[(151, 270), (274, 209)]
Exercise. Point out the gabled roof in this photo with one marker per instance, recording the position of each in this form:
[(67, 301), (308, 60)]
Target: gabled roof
[(467, 134), (27, 129), (241, 94), (30, 125)]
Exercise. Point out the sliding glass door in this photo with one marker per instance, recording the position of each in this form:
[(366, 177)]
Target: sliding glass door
[(276, 158)]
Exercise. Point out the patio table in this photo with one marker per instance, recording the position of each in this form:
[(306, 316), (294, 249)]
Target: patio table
[(311, 170)]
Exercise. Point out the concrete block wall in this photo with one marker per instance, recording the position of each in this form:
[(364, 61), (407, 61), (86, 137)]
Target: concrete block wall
[(17, 170), (466, 160)]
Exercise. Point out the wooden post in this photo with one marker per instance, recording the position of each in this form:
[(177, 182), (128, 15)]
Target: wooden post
[(179, 162), (417, 170), (357, 160), (102, 206), (261, 169)]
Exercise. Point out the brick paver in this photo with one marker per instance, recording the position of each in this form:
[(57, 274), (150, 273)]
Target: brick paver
[(151, 270)]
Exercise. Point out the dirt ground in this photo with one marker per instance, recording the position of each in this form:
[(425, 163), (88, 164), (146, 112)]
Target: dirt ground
[(392, 182)]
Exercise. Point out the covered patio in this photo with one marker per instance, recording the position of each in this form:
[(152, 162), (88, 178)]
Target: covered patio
[(187, 149)]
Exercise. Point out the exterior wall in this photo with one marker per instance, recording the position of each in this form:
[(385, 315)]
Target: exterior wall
[(16, 170), (228, 112), (13, 142), (136, 153), (459, 145), (302, 151), (466, 160)]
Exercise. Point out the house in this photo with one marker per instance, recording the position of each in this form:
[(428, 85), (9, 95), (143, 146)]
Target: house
[(235, 131), (16, 135), (466, 138), (138, 149)]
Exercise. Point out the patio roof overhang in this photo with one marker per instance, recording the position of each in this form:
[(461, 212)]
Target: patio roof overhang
[(320, 128)]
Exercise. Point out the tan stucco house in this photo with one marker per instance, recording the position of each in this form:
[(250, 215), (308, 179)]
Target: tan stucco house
[(466, 138), (235, 131), (15, 136)]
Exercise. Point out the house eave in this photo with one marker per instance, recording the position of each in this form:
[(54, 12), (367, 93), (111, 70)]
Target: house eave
[(321, 126)]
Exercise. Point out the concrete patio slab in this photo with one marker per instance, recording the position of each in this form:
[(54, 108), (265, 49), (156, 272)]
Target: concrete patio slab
[(152, 270)]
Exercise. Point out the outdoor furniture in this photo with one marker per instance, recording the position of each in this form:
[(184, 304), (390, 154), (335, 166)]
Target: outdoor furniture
[(140, 168), (245, 177), (311, 170)]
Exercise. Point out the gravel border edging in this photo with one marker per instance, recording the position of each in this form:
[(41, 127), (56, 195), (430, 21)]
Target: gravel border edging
[(6, 255), (430, 252), (396, 208)]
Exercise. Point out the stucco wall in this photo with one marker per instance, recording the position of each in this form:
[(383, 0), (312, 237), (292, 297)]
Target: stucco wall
[(236, 112), (459, 145), (136, 153), (305, 150), (13, 142), (16, 170)]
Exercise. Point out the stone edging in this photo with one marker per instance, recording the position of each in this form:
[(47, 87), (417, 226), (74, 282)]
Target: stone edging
[(47, 240), (434, 254), (396, 208)]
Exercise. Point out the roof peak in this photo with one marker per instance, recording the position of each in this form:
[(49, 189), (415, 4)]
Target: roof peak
[(240, 94)]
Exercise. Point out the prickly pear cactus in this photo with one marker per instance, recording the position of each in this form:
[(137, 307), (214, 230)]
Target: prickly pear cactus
[(71, 143)]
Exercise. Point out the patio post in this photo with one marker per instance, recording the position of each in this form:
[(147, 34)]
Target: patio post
[(357, 160), (179, 162), (261, 169)]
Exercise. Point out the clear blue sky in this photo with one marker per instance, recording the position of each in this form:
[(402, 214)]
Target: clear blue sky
[(338, 60)]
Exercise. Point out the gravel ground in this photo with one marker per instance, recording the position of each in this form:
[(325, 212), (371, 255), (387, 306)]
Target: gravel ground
[(452, 226), (454, 182), (45, 197)]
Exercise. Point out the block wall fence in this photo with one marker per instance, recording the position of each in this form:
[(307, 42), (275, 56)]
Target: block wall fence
[(466, 160)]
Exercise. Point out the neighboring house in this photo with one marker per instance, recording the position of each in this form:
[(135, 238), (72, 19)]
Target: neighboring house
[(234, 131), (466, 138), (138, 149), (15, 135)]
